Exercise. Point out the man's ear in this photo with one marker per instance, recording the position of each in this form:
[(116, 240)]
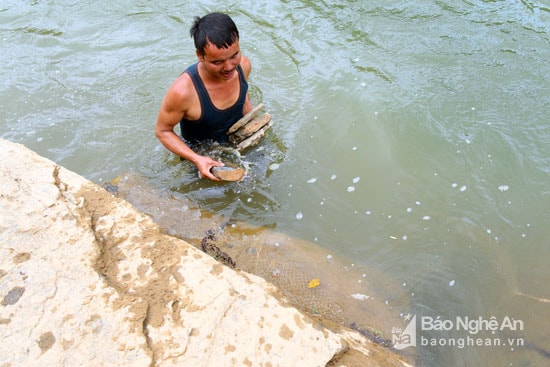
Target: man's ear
[(199, 56)]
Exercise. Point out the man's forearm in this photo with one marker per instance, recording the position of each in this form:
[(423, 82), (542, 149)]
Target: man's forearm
[(173, 143)]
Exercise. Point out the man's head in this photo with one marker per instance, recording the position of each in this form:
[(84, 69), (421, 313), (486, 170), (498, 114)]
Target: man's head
[(215, 28)]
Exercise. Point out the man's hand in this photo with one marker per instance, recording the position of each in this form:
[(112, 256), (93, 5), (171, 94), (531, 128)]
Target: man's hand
[(204, 164)]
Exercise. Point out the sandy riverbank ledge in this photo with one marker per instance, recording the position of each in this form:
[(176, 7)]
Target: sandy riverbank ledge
[(87, 280)]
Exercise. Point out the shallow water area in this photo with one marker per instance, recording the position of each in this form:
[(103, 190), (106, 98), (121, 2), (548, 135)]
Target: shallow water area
[(409, 139), (348, 295)]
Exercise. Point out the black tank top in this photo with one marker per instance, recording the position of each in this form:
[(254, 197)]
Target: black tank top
[(213, 123)]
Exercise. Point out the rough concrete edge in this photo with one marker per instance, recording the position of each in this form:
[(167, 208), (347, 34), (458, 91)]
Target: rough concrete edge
[(352, 341)]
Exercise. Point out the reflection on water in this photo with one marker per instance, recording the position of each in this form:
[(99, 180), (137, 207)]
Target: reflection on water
[(410, 139)]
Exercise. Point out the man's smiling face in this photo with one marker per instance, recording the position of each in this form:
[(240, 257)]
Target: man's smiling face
[(221, 63)]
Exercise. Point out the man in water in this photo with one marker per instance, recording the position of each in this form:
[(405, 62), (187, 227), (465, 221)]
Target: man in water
[(209, 96)]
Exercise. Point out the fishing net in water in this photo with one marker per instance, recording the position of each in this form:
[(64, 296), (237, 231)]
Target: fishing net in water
[(256, 254)]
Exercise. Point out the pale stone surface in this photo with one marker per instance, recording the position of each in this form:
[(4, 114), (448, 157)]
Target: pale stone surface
[(66, 314), (86, 280)]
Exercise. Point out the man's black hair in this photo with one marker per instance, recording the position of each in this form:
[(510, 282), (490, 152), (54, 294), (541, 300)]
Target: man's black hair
[(216, 28)]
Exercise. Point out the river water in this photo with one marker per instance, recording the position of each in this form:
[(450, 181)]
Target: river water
[(410, 137)]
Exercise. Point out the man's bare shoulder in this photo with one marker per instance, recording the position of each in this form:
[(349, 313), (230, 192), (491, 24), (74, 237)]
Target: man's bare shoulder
[(246, 65), (181, 94), (182, 88)]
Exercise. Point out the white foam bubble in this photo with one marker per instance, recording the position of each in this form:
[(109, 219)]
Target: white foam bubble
[(426, 217), (274, 166), (356, 179), (299, 215), (452, 283), (333, 177), (503, 188), (360, 297), (312, 180), (351, 188), (463, 188)]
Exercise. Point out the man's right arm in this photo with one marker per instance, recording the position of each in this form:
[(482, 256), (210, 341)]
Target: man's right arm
[(172, 110)]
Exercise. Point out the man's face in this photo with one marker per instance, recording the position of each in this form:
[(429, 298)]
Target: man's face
[(221, 63)]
